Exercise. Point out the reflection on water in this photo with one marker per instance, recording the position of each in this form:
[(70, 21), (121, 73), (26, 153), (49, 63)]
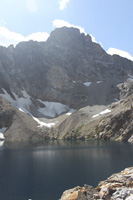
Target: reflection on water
[(42, 171), (1, 144)]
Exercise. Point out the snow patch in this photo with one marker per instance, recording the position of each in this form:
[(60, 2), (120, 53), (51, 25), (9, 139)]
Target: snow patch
[(70, 112), (74, 81), (87, 84), (116, 100), (102, 113), (95, 115), (2, 136), (41, 124), (2, 131), (130, 77), (1, 143), (52, 109), (22, 103), (21, 110), (99, 82), (105, 111), (7, 96)]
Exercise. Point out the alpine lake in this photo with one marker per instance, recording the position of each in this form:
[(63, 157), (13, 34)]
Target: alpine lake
[(42, 171)]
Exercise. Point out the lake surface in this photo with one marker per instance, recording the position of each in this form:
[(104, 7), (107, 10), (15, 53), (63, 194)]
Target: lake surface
[(44, 171)]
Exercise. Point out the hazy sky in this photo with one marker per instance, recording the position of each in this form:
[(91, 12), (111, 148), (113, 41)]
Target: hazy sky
[(110, 22)]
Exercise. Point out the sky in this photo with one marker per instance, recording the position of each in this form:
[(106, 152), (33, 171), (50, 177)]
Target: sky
[(109, 22)]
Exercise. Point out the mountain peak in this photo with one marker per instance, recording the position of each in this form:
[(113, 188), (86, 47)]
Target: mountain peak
[(66, 35)]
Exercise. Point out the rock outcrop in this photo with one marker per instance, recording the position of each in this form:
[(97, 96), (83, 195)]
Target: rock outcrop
[(79, 193), (118, 186), (118, 125), (19, 125)]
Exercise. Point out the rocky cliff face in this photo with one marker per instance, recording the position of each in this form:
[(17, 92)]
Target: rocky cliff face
[(118, 124), (117, 186), (68, 71), (61, 69)]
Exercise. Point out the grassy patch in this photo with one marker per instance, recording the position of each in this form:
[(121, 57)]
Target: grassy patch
[(77, 132)]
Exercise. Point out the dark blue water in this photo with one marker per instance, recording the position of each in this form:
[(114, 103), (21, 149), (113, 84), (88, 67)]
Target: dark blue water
[(44, 171)]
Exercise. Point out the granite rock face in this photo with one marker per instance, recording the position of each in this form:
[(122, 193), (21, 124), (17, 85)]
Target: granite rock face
[(119, 186), (57, 70), (119, 125)]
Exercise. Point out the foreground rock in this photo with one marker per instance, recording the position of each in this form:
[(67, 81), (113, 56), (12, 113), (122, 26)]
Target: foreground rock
[(79, 193), (119, 186)]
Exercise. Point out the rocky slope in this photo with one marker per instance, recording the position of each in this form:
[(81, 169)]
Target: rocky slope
[(118, 186), (18, 125), (67, 73), (114, 122)]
